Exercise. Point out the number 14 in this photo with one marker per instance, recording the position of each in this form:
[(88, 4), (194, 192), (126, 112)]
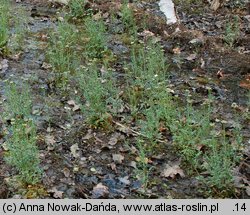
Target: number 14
[(240, 206)]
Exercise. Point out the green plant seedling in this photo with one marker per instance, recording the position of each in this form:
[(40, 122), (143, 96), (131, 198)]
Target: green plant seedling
[(62, 53), (128, 20), (4, 28), (22, 151), (95, 107), (77, 8), (95, 32), (18, 104), (232, 32)]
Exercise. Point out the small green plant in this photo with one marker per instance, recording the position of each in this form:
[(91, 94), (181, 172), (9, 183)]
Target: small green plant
[(167, 106), (134, 95), (62, 52), (143, 169), (150, 127), (190, 132), (18, 105), (20, 22), (95, 95), (219, 164), (77, 8), (114, 102), (148, 100), (4, 28), (22, 152), (95, 32), (147, 74), (3, 33), (21, 142), (232, 31), (202, 149), (148, 66), (127, 17)]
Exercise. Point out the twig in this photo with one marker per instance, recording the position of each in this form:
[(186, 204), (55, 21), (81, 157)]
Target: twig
[(136, 133)]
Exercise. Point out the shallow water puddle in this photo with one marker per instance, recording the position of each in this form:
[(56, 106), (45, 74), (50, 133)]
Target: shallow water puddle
[(167, 7)]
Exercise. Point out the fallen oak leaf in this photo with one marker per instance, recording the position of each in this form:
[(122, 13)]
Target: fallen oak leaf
[(245, 83), (46, 66), (100, 191), (113, 167), (4, 65), (197, 41), (56, 193), (50, 141), (75, 150), (177, 50), (118, 158), (71, 102), (66, 172), (191, 57), (89, 135), (215, 4), (147, 33), (125, 180), (114, 139), (173, 171), (75, 106), (133, 164)]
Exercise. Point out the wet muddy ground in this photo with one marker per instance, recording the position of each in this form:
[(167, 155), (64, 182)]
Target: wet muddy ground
[(199, 61)]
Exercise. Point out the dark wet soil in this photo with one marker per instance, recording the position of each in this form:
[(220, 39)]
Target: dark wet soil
[(215, 67)]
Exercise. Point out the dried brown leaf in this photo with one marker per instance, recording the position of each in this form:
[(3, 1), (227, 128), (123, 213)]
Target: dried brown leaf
[(191, 57), (75, 106), (118, 158), (125, 180), (114, 139), (133, 164), (46, 66), (89, 135), (56, 193), (177, 50), (215, 4), (4, 65), (100, 191), (75, 150), (66, 172), (50, 141), (173, 171)]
